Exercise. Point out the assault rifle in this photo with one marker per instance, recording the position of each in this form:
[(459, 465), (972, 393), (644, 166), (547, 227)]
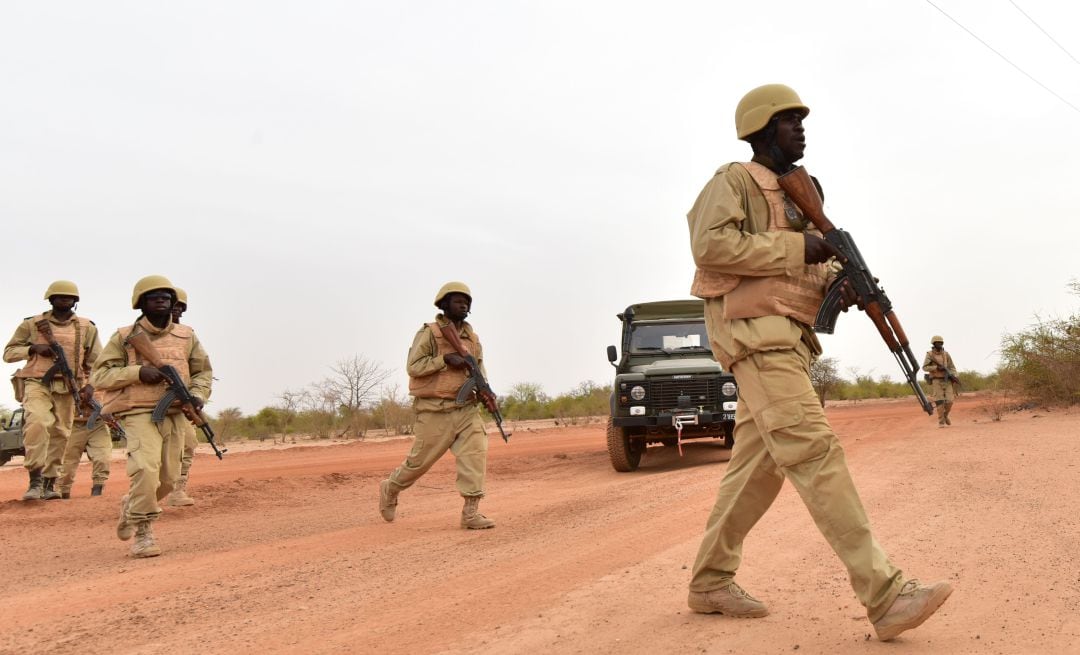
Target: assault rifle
[(949, 374), (800, 188), (177, 391), (62, 367), (476, 382)]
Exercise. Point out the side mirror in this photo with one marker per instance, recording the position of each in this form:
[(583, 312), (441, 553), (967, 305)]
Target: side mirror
[(612, 354)]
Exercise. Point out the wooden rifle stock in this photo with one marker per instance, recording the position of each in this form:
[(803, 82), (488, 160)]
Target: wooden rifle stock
[(800, 188), (483, 389)]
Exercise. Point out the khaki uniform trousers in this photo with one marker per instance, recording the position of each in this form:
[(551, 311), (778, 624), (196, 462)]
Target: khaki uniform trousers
[(98, 446), (188, 454), (48, 415), (944, 394), (461, 432), (781, 432), (153, 461)]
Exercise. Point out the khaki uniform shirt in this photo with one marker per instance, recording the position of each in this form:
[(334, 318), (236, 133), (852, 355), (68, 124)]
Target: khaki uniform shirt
[(113, 371), (424, 359), (728, 234), (930, 363), (18, 348)]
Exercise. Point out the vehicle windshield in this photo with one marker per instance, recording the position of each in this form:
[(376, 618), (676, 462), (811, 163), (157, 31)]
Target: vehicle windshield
[(669, 337)]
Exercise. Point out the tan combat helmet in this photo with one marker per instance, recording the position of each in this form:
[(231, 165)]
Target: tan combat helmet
[(452, 287), (150, 283), (181, 296), (761, 104), (935, 339), (62, 288)]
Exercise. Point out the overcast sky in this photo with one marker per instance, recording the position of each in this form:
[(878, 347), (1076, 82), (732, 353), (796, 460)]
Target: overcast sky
[(312, 172)]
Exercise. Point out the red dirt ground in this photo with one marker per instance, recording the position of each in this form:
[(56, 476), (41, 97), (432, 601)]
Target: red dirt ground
[(285, 550)]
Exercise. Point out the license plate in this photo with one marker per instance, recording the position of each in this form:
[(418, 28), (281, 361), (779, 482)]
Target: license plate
[(727, 416)]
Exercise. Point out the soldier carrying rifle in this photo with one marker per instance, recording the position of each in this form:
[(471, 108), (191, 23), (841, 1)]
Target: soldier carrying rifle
[(59, 348), (939, 367), (138, 372), (765, 273)]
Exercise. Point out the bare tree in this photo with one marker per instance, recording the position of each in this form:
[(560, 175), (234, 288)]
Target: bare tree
[(290, 403), (353, 385), (395, 411), (825, 376)]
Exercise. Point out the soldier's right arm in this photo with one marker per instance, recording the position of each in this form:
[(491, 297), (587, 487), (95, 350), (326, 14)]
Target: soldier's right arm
[(111, 370), (719, 240), (929, 365), (424, 358), (18, 348)]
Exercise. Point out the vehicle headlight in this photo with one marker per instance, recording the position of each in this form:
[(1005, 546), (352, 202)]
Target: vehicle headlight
[(638, 392), (728, 389)]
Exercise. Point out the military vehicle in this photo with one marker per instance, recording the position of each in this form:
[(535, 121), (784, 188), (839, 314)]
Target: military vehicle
[(11, 439), (668, 388)]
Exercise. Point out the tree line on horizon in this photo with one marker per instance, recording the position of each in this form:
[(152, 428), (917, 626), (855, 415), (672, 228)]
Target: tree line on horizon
[(1039, 364)]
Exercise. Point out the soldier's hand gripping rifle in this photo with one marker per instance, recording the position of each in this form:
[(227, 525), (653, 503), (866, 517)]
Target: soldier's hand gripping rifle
[(177, 391), (83, 406), (476, 382), (800, 188)]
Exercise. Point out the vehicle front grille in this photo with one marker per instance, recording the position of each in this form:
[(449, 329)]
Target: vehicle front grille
[(663, 393)]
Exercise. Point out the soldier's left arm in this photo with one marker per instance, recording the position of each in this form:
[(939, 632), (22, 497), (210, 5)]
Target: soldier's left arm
[(202, 375), (92, 352)]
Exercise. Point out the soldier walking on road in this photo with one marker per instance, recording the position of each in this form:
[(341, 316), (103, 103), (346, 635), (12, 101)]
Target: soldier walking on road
[(132, 390), (436, 374), (758, 271), (48, 403), (179, 496), (96, 443), (939, 365)]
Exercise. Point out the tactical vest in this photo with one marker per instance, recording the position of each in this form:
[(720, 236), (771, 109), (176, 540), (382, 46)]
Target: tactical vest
[(447, 382), (798, 297), (173, 347), (71, 336), (938, 374)]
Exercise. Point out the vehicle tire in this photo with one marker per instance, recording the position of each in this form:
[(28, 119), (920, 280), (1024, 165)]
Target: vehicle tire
[(625, 453)]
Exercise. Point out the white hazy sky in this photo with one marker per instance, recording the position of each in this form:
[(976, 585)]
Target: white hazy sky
[(312, 172)]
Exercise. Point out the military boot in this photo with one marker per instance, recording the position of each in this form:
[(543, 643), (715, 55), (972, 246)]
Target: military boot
[(914, 605), (35, 490), (48, 489), (178, 497), (471, 518), (731, 600), (97, 489), (124, 527), (388, 497), (145, 545)]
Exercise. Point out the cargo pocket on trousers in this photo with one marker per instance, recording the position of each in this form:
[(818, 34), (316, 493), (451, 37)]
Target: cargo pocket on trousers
[(790, 441)]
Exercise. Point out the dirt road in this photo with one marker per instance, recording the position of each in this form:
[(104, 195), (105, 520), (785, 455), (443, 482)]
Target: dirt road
[(285, 550)]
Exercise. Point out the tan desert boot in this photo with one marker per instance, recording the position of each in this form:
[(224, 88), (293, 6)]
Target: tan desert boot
[(914, 605), (388, 500), (471, 518), (144, 545), (124, 527), (731, 600), (178, 497)]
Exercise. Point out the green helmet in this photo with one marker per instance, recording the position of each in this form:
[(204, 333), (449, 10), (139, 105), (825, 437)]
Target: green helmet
[(761, 104), (936, 339), (181, 296), (452, 287), (62, 288), (150, 283)]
